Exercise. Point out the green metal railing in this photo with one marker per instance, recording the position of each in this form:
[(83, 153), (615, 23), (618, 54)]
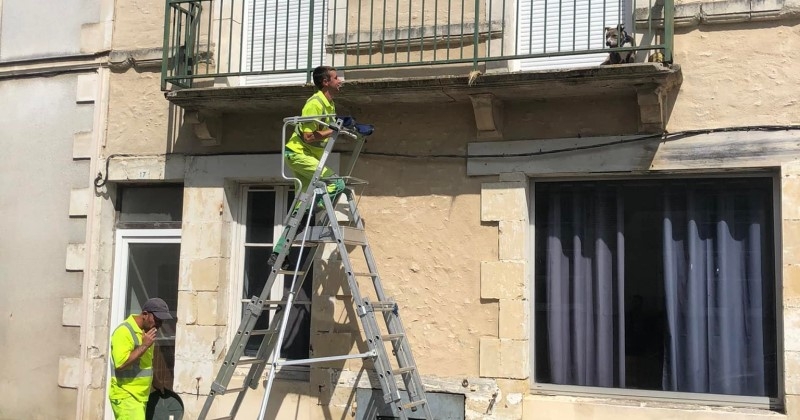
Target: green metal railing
[(237, 42)]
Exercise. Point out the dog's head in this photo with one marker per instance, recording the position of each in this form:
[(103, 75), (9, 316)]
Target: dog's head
[(616, 37)]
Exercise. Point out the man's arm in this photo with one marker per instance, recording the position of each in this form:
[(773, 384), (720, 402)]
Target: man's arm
[(131, 356), (311, 132), (317, 135)]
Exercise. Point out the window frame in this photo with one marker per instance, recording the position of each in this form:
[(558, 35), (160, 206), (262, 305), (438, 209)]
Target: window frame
[(238, 251), (771, 403), (123, 238)]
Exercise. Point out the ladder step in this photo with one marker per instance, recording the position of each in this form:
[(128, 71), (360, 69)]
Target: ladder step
[(324, 234), (413, 404), (403, 370), (291, 272), (365, 274), (386, 306), (223, 418), (390, 337), (262, 332), (283, 302), (245, 362), (234, 390)]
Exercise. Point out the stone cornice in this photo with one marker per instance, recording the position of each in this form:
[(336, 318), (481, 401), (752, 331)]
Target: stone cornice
[(721, 12)]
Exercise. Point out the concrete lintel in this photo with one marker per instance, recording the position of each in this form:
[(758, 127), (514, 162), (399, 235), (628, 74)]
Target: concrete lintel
[(718, 12), (488, 116), (146, 168)]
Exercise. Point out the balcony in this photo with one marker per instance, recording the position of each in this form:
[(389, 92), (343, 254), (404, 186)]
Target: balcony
[(250, 55)]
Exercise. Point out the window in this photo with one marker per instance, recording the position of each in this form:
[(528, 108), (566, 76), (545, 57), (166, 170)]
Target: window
[(662, 285), (261, 221), (150, 206), (146, 260)]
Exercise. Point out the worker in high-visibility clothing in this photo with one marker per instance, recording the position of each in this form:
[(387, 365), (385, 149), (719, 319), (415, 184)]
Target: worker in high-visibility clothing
[(132, 359), (304, 149)]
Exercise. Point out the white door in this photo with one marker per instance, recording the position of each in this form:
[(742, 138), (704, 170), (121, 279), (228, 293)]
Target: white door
[(277, 38), (551, 26), (146, 265)]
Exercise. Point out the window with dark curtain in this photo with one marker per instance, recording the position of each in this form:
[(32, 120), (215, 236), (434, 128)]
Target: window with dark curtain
[(663, 285)]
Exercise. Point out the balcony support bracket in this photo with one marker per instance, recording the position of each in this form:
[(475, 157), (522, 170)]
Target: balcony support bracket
[(652, 111), (207, 127), (488, 116)]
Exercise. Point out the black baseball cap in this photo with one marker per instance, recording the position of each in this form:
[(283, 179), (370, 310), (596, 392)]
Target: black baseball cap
[(157, 307)]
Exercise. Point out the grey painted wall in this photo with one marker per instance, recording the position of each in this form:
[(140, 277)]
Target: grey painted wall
[(43, 28), (38, 117)]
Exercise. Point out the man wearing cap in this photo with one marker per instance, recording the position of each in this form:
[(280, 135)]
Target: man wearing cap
[(132, 360)]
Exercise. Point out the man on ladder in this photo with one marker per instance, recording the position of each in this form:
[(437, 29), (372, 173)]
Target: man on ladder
[(389, 347), (305, 147)]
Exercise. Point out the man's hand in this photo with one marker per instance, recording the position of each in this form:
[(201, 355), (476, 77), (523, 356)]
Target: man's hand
[(149, 337)]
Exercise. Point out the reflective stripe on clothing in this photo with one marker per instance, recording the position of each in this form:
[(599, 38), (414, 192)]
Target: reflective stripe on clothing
[(317, 104), (134, 381)]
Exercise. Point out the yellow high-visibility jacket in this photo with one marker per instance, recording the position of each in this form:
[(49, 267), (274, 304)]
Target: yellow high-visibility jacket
[(135, 380)]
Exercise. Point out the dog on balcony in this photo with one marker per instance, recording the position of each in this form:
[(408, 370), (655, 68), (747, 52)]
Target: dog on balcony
[(619, 38)]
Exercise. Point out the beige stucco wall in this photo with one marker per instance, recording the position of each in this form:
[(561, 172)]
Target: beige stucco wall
[(138, 24), (737, 74)]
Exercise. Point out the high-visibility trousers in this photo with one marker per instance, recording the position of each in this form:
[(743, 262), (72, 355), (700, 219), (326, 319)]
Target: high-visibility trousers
[(304, 167), (128, 409)]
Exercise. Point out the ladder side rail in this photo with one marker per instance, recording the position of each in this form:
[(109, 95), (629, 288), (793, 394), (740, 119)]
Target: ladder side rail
[(365, 312), (294, 288), (405, 358), (402, 348), (235, 351), (370, 259), (268, 344), (342, 248), (356, 152), (232, 356), (383, 367)]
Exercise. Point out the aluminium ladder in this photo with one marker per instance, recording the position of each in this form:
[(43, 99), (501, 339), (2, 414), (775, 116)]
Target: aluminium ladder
[(351, 234)]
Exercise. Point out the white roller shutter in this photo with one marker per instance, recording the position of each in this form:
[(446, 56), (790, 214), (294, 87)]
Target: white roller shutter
[(549, 26), (277, 38)]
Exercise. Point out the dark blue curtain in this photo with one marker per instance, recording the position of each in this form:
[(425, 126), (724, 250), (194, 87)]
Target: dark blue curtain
[(584, 287), (718, 287)]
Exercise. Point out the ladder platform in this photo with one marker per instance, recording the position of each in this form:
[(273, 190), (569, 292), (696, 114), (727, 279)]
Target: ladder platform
[(324, 234)]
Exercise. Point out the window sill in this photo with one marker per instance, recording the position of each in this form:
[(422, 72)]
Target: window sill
[(658, 400)]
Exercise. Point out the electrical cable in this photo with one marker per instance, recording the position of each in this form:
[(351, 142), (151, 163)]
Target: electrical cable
[(101, 178)]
